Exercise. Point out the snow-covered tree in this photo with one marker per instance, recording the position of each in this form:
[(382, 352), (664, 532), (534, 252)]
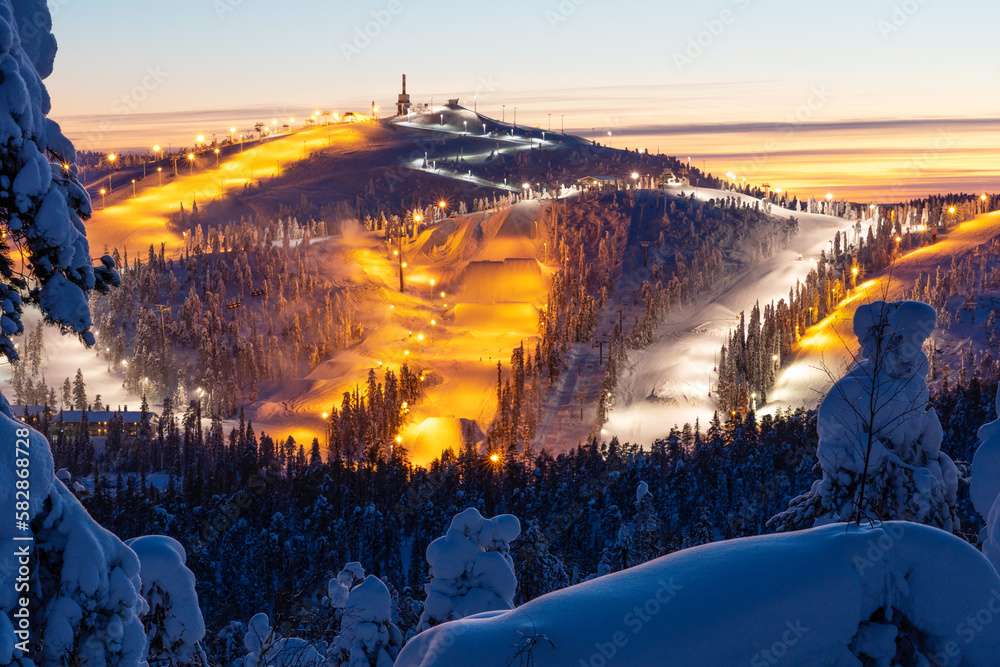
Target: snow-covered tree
[(269, 649), (82, 584), (879, 442), (42, 204), (471, 569), (985, 487), (367, 638), (173, 623)]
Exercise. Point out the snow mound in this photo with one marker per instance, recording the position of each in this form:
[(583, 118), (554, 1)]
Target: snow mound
[(875, 424), (174, 624), (471, 568), (985, 487), (818, 597)]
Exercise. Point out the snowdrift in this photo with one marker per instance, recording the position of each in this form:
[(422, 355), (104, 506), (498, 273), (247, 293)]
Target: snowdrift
[(816, 597)]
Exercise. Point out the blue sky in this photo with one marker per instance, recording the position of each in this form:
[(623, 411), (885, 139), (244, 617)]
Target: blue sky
[(603, 65)]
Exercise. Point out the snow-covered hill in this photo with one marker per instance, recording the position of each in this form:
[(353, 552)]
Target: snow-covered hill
[(827, 596)]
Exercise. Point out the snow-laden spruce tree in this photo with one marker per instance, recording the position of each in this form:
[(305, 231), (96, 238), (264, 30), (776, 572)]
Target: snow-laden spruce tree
[(471, 569), (267, 648), (42, 204), (985, 487), (367, 638), (81, 582), (879, 441), (173, 622)]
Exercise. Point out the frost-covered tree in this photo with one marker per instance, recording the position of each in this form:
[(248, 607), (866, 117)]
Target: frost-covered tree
[(879, 442), (367, 638), (81, 583), (267, 648), (42, 204), (985, 487), (471, 569), (79, 391), (173, 622)]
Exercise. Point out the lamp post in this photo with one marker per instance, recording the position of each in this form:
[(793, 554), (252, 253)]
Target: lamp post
[(216, 157), (133, 188), (191, 161), (103, 200), (159, 173)]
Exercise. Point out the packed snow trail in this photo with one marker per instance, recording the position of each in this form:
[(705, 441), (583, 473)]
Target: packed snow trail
[(668, 383)]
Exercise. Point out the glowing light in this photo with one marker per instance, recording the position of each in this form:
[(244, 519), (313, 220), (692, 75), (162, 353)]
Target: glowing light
[(112, 157), (854, 270), (433, 322), (442, 295), (232, 130), (635, 176), (405, 405), (417, 217), (984, 197), (829, 197), (442, 204), (406, 352), (420, 336), (952, 210), (325, 415), (404, 265), (495, 458), (156, 149), (399, 438), (432, 282)]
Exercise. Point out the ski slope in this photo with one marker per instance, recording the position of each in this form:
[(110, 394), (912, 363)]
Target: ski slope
[(669, 382)]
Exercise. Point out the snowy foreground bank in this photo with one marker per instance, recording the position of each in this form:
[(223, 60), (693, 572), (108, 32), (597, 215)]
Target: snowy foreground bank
[(816, 597)]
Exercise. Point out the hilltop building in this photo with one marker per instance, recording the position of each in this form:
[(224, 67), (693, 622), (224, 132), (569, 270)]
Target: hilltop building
[(403, 104)]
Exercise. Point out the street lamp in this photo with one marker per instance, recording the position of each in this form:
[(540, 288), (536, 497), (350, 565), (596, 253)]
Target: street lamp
[(191, 161), (216, 157), (201, 139), (133, 188), (159, 173), (103, 192)]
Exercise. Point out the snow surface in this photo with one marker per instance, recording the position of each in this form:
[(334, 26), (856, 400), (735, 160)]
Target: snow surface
[(801, 598)]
